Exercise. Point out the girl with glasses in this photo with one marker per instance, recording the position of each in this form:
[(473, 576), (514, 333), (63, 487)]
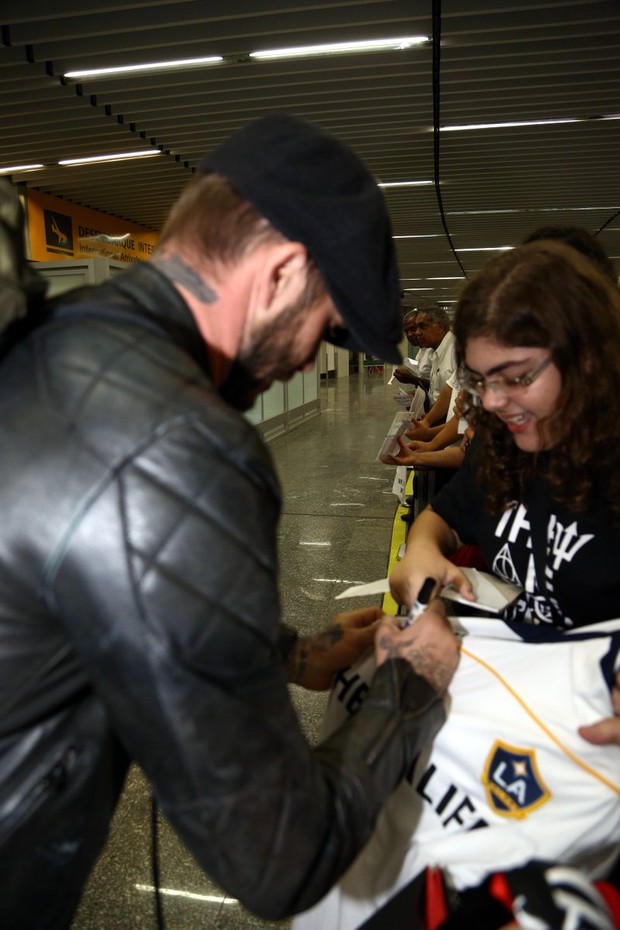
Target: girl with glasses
[(538, 341), (514, 782)]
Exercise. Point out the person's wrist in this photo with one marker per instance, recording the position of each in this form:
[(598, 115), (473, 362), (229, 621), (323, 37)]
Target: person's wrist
[(306, 664)]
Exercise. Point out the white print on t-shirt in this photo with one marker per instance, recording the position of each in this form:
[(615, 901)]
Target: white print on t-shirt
[(563, 543), (503, 566)]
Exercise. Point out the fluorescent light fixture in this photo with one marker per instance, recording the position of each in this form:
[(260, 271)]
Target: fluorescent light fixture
[(454, 278), (481, 212), (528, 122), (123, 156), (340, 48), (530, 210), (13, 168), (489, 248), (416, 289), (176, 65), (421, 236), (570, 209), (404, 183)]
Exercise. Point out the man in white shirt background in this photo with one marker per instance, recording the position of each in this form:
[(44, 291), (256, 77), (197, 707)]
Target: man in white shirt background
[(433, 332)]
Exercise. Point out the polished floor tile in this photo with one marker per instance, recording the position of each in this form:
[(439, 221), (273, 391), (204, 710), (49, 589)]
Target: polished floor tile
[(335, 531)]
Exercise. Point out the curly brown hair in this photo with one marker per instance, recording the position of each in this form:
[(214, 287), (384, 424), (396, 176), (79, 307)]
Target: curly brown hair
[(547, 295)]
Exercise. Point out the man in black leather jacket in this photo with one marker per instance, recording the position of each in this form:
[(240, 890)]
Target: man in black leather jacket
[(139, 614)]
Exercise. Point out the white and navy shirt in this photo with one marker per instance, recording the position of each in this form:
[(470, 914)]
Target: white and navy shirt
[(507, 780)]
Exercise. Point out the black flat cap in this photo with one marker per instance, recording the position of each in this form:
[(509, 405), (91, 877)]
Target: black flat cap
[(314, 189)]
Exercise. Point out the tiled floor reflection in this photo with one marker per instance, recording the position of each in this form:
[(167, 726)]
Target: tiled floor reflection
[(335, 531)]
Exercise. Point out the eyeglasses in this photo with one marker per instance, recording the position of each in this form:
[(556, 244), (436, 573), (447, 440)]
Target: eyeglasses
[(507, 387)]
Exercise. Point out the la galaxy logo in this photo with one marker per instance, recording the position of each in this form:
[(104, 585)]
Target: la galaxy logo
[(512, 782)]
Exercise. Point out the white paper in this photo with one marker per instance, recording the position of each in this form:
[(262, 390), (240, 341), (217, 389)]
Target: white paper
[(360, 590), (398, 427), (491, 593), (399, 485), (403, 399)]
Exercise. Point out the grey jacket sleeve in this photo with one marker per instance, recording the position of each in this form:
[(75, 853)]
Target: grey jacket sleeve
[(166, 582)]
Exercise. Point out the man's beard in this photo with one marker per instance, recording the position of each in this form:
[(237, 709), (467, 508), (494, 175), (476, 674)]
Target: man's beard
[(264, 359), (241, 387)]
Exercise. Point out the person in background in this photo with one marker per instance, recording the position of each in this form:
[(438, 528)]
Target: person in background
[(448, 456), (433, 332), (538, 336), (404, 374), (445, 414), (139, 609), (580, 239)]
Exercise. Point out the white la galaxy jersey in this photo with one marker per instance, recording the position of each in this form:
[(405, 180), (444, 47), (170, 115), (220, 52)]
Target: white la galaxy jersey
[(508, 778)]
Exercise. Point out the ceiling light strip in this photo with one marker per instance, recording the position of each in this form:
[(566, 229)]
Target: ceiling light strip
[(178, 64), (404, 184), (13, 168), (489, 248), (302, 51), (512, 125), (95, 159), (340, 48)]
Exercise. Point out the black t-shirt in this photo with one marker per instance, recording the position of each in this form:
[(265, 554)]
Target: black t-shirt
[(581, 555)]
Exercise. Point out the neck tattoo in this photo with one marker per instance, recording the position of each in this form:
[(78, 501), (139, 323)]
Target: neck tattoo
[(179, 271)]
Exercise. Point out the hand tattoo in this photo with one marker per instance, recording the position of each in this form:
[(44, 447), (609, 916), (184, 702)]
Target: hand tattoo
[(423, 659)]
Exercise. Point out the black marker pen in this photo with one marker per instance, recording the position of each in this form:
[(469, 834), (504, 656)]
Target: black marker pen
[(421, 603)]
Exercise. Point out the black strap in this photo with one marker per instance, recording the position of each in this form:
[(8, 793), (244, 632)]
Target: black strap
[(538, 516)]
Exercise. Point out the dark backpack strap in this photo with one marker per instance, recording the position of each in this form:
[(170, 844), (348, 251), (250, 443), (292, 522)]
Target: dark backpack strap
[(538, 516)]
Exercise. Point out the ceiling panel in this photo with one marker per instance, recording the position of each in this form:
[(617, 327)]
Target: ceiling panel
[(498, 62)]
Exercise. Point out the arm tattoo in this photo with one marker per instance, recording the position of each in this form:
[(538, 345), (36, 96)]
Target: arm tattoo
[(297, 662), (178, 270)]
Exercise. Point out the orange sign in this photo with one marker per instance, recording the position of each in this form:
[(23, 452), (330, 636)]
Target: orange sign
[(59, 229)]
